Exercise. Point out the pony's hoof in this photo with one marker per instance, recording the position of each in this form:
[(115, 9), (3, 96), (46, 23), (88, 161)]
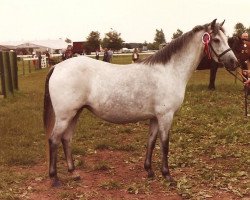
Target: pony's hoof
[(76, 176), (211, 88), (171, 180), (151, 174), (55, 183)]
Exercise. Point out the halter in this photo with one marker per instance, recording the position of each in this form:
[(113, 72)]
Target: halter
[(206, 40)]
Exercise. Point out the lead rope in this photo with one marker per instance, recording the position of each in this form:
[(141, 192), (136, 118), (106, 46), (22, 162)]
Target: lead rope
[(243, 77)]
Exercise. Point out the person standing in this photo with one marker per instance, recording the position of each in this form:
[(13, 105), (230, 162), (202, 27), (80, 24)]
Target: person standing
[(97, 54), (105, 55), (110, 55), (244, 36), (48, 58), (247, 82), (135, 55), (243, 56)]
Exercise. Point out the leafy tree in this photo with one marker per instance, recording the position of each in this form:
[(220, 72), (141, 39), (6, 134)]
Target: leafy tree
[(93, 41), (112, 40), (239, 28), (177, 34), (140, 46), (127, 45), (248, 31), (145, 43), (153, 46), (159, 37)]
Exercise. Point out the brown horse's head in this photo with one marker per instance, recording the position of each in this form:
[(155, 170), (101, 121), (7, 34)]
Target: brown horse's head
[(241, 48)]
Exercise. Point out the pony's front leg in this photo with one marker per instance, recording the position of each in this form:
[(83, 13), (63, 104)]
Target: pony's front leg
[(153, 131), (165, 122)]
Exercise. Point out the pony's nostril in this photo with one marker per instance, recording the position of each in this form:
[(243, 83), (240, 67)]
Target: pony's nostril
[(234, 62)]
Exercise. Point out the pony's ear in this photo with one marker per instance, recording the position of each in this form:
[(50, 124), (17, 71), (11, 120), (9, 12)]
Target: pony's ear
[(222, 23), (213, 24)]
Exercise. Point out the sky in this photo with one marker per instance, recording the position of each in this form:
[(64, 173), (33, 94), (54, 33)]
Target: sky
[(136, 20)]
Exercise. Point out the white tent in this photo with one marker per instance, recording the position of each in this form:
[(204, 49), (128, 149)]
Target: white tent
[(40, 45)]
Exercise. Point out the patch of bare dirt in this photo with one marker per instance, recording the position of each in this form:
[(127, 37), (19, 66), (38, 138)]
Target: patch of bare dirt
[(120, 177)]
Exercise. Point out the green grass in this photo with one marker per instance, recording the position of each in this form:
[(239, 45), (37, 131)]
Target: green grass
[(102, 166), (210, 135), (26, 67)]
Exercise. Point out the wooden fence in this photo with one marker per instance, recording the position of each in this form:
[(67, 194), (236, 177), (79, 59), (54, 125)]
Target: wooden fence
[(8, 73)]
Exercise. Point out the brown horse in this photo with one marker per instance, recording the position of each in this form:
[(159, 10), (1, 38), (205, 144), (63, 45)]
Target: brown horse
[(241, 49), (213, 66), (242, 52)]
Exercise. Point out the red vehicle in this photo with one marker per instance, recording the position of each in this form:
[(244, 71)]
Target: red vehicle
[(78, 48)]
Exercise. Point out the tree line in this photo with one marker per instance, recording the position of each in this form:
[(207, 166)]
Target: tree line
[(113, 40)]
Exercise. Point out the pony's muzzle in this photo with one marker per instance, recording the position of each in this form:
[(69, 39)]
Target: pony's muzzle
[(231, 63)]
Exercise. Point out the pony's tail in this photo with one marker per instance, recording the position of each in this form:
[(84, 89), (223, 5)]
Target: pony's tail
[(48, 113)]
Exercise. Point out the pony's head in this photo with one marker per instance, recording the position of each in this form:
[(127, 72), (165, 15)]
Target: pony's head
[(218, 43)]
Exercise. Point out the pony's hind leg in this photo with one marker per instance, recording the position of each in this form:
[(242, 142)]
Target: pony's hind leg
[(153, 132), (66, 142), (60, 127)]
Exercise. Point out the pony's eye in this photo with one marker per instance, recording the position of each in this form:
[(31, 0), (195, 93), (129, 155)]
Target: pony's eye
[(216, 40)]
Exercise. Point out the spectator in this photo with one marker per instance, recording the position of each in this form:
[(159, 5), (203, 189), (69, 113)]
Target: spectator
[(247, 82), (97, 54), (105, 55), (110, 55), (48, 58), (244, 36), (135, 56), (68, 53)]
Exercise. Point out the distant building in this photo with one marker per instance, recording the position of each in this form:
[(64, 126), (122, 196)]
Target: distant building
[(132, 45), (28, 47), (4, 48)]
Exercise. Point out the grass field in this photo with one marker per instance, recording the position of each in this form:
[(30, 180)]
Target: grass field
[(209, 150)]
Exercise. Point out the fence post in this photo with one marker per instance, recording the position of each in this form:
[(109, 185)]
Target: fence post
[(29, 66), (23, 66), (7, 73), (2, 75), (14, 69)]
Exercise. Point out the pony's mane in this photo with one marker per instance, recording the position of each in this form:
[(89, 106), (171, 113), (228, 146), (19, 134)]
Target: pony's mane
[(164, 55)]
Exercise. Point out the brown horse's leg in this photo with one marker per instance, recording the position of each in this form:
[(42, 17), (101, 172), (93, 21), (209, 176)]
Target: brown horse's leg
[(213, 72), (153, 131)]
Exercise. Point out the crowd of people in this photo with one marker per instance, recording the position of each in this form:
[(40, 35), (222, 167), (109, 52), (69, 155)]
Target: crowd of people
[(107, 55)]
